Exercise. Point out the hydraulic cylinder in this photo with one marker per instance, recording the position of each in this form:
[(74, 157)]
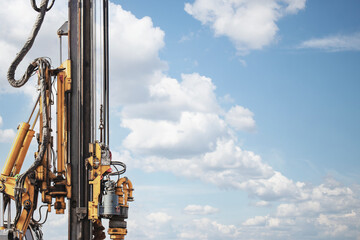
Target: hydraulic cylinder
[(15, 149), (23, 151)]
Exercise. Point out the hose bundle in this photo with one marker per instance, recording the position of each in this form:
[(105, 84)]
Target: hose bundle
[(41, 65)]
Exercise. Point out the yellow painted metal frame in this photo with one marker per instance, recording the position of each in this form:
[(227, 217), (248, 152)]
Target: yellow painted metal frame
[(96, 175), (63, 85), (29, 195), (15, 149)]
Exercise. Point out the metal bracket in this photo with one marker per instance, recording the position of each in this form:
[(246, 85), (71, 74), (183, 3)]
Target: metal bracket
[(64, 29), (81, 213)]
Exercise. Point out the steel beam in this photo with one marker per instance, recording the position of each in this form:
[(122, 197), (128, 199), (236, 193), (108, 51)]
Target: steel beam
[(81, 114)]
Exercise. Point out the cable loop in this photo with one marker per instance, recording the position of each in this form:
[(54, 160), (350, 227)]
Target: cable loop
[(26, 48), (36, 8)]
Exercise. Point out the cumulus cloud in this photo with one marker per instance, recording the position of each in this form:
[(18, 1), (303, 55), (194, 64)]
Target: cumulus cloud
[(327, 211), (240, 118), (181, 119), (193, 134), (226, 166), (179, 126), (135, 64), (334, 43), (200, 210), (250, 25), (170, 97)]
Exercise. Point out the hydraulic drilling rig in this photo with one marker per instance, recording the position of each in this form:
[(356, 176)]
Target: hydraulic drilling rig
[(80, 175)]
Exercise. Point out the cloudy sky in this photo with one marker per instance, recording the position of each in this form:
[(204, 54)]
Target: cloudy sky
[(238, 119)]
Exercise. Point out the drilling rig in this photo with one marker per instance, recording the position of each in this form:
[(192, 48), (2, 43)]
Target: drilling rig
[(79, 176)]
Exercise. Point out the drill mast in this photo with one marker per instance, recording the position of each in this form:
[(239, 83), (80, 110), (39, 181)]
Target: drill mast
[(82, 170)]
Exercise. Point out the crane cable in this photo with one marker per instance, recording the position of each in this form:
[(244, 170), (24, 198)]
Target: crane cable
[(42, 65)]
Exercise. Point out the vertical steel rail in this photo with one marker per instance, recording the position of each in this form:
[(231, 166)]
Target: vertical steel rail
[(1, 209), (81, 129), (106, 70), (9, 215), (74, 127)]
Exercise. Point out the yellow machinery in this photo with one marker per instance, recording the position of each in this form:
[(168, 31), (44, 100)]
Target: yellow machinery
[(78, 178)]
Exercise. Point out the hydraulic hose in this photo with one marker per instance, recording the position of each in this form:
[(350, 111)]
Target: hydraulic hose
[(41, 64), (27, 46), (36, 8)]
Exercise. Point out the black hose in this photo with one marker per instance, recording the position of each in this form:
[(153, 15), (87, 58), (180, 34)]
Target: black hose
[(35, 7), (117, 163), (43, 66), (27, 46)]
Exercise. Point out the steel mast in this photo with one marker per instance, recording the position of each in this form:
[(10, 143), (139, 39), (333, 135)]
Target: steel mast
[(81, 128)]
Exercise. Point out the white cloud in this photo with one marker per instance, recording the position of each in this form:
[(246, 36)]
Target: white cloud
[(180, 119), (168, 98), (205, 228), (256, 221), (193, 134), (180, 127), (249, 24), (135, 64), (227, 166), (262, 204), (159, 217), (334, 228), (329, 210), (6, 135), (200, 210), (334, 43), (56, 226), (240, 118)]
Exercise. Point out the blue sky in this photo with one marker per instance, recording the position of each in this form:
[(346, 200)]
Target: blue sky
[(237, 119)]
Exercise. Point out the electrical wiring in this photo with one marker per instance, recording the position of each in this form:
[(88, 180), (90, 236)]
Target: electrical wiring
[(117, 163), (40, 217)]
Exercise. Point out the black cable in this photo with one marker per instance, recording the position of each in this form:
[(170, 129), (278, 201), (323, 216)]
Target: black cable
[(117, 171), (37, 221), (35, 7), (43, 65), (27, 46), (117, 163)]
